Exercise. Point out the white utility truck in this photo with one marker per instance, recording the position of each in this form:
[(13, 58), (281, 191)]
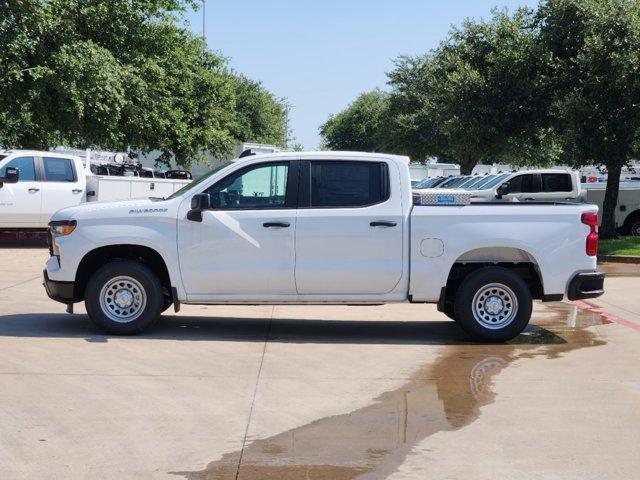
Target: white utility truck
[(627, 209), (321, 228), (45, 182)]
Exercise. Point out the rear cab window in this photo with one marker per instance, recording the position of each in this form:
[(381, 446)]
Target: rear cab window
[(556, 182), (58, 169), (348, 184)]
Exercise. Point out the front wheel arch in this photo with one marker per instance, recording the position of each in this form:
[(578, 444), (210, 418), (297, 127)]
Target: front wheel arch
[(99, 257)]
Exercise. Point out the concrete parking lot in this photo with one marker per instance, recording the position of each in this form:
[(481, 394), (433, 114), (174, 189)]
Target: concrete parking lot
[(297, 392)]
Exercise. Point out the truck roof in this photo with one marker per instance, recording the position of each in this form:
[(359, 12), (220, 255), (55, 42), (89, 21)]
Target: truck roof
[(329, 155), (39, 153)]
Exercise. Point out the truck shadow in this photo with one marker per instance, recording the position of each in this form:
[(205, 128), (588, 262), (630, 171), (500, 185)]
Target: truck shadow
[(197, 328)]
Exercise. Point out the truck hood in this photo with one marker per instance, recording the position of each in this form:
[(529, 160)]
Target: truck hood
[(121, 208)]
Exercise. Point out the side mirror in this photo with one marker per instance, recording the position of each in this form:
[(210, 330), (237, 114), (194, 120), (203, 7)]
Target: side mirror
[(503, 189), (199, 203), (11, 175)]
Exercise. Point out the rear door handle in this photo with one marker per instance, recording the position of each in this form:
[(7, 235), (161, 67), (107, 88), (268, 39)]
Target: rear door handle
[(383, 224), (275, 224), (34, 190), (76, 190)]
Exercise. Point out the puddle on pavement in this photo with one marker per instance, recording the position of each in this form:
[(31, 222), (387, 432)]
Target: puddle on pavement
[(620, 269), (373, 441)]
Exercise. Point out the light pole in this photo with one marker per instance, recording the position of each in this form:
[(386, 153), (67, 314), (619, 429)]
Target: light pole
[(204, 35)]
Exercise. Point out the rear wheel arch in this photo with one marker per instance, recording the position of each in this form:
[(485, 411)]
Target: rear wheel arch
[(100, 256), (517, 260)]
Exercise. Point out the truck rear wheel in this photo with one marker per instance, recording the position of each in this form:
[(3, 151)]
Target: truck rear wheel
[(493, 304), (124, 297)]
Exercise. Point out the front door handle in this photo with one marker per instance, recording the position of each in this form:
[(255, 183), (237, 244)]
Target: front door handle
[(383, 224), (275, 224), (34, 190), (76, 190)]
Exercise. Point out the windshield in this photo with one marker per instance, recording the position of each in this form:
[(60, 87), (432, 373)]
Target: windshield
[(197, 182), (447, 182), (457, 182), (427, 183), (495, 179)]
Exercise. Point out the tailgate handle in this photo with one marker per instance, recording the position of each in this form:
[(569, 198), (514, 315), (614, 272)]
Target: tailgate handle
[(34, 190), (77, 190), (275, 224), (383, 224)]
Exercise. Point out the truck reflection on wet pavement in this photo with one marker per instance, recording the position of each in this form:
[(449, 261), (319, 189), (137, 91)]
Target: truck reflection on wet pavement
[(372, 442)]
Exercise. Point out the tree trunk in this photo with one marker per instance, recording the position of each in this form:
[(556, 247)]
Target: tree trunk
[(466, 167), (608, 224)]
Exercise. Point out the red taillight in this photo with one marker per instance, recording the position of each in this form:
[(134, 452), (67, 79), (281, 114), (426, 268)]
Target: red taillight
[(591, 219)]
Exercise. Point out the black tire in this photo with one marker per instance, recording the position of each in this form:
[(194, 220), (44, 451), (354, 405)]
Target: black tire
[(487, 283), (632, 226), (142, 280)]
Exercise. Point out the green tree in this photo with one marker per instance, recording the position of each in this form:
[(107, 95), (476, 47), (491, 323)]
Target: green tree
[(260, 117), (592, 81), (474, 99), (117, 74), (360, 127)]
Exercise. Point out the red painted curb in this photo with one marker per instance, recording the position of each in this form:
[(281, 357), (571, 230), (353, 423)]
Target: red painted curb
[(609, 316)]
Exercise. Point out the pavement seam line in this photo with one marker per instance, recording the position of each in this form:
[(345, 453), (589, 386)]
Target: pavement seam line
[(255, 392), (20, 283)]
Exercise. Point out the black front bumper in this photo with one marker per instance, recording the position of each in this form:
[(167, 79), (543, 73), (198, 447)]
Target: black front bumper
[(586, 285), (58, 291)]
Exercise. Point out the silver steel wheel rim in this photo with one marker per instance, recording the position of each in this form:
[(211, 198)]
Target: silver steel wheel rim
[(123, 299), (495, 306)]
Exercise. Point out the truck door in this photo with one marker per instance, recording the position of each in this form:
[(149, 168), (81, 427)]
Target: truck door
[(61, 186), (349, 232), (21, 203), (244, 246), (524, 187)]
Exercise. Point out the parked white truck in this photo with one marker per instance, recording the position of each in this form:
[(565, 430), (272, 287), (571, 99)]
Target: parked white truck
[(627, 213), (45, 182), (522, 186), (320, 228)]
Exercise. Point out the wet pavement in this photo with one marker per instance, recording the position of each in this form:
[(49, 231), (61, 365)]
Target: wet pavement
[(299, 392), (372, 441)]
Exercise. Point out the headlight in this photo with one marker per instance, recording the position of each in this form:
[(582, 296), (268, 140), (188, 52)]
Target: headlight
[(57, 229), (60, 228)]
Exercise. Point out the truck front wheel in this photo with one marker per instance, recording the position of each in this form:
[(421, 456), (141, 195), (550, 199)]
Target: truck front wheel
[(493, 304), (124, 297)]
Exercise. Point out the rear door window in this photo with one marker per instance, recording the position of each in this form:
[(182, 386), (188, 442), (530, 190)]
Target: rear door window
[(347, 184), (556, 182), (58, 169), (26, 167)]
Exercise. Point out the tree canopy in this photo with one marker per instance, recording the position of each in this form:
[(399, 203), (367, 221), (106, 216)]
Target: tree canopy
[(560, 84), (360, 126), (591, 79), (119, 74)]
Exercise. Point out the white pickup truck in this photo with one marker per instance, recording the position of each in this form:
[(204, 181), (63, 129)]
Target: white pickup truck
[(320, 228), (49, 181), (522, 186)]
